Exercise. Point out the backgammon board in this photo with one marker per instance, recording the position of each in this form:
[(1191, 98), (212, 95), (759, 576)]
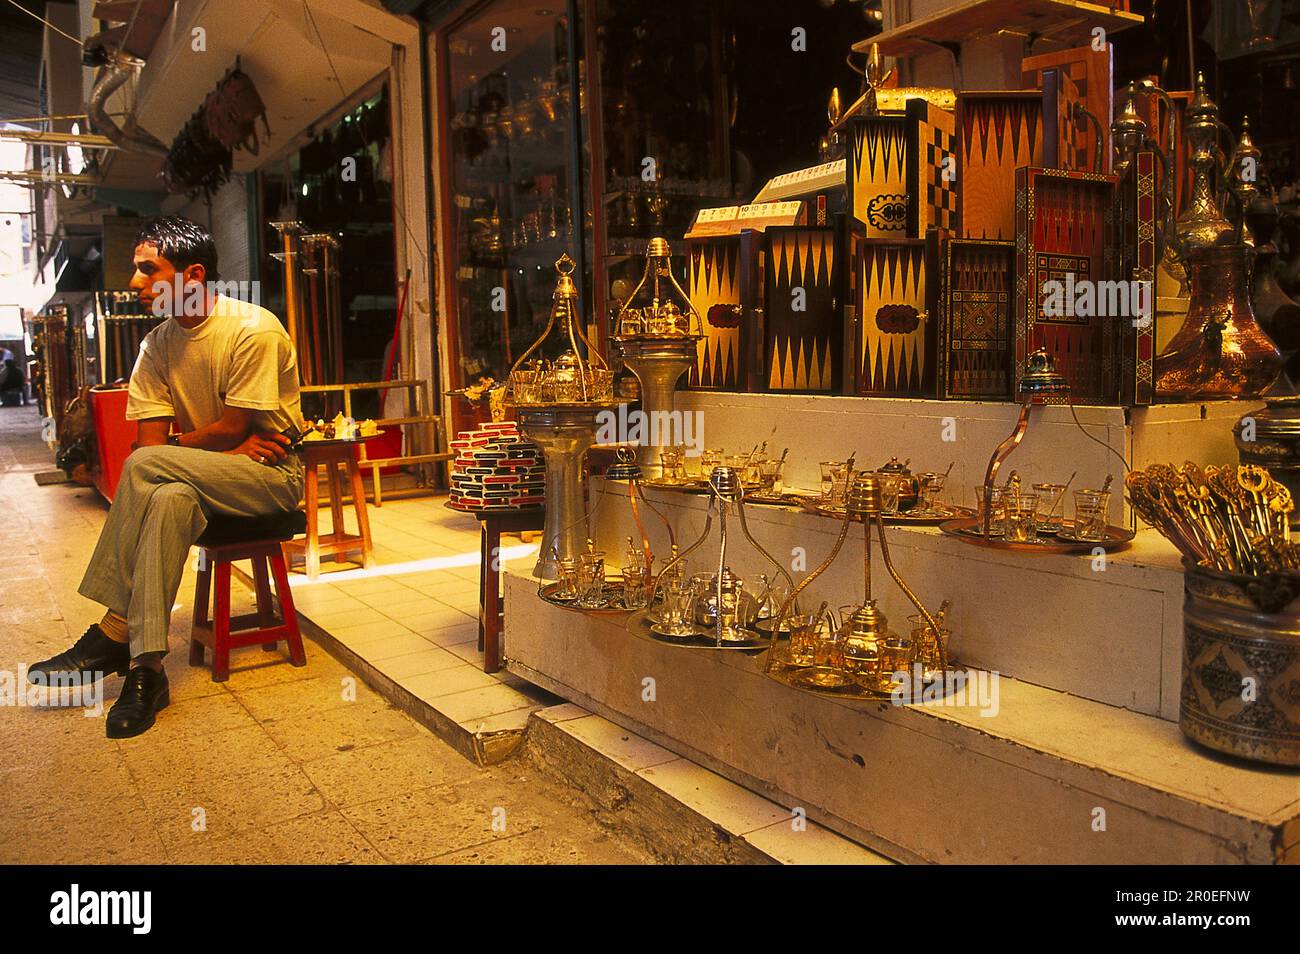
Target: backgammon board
[(897, 185), (1093, 74), (975, 318), (803, 277), (1065, 226), (894, 332), (997, 133), (722, 283)]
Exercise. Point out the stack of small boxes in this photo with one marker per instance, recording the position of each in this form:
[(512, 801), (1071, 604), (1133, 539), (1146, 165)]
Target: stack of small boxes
[(496, 469)]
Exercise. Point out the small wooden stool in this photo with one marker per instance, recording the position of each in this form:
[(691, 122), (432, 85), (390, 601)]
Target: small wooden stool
[(330, 455), (259, 539)]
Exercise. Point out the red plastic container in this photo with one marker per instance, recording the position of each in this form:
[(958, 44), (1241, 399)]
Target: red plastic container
[(114, 435)]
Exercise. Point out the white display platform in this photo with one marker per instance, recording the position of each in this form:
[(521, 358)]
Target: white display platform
[(1051, 778)]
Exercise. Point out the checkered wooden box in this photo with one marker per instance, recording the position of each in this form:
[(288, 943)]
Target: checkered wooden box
[(898, 182)]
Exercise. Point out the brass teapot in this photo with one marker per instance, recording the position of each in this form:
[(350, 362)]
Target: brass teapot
[(909, 486)]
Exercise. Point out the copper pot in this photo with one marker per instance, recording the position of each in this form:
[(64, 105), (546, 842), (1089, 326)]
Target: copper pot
[(1220, 351)]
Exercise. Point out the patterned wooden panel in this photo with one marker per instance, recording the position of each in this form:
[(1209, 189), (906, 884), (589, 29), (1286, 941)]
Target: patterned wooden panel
[(803, 347), (975, 318), (895, 172), (1065, 225), (997, 133), (713, 279), (1137, 262), (1093, 73), (894, 334), (1149, 108), (877, 175)]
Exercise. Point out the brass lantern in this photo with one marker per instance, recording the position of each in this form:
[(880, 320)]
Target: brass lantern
[(559, 407)]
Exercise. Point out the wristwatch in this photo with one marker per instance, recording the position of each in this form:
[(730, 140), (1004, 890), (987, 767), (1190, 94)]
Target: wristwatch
[(174, 440)]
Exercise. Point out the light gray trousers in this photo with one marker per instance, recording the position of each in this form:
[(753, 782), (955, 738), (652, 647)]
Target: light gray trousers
[(162, 505)]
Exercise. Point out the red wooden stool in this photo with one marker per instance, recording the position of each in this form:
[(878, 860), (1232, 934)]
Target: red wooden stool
[(259, 539)]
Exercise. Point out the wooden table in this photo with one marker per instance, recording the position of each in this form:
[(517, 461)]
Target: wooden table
[(491, 606), (330, 454)]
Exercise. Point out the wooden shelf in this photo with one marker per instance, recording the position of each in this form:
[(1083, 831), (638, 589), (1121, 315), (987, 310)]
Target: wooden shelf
[(1068, 21)]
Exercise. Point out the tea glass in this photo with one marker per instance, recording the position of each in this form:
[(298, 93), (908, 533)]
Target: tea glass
[(591, 579), (829, 467), (891, 488), (931, 490), (994, 505), (672, 462), (1091, 513), (634, 586), (677, 615), (567, 587), (1050, 500), (804, 630), (924, 641), (1021, 524), (770, 475)]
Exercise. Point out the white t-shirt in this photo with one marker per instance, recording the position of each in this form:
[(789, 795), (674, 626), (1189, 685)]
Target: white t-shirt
[(240, 355)]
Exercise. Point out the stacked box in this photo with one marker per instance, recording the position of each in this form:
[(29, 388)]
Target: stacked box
[(893, 348), (1065, 233), (998, 132), (496, 469), (976, 319), (1091, 74), (803, 277), (722, 277), (899, 180)]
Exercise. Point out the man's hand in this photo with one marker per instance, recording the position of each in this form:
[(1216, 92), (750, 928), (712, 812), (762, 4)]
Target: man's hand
[(265, 447)]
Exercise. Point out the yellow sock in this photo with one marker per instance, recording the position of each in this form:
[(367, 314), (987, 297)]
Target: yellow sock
[(114, 627)]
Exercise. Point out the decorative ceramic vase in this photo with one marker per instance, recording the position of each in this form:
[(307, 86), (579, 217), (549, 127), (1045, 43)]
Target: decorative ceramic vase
[(1220, 351)]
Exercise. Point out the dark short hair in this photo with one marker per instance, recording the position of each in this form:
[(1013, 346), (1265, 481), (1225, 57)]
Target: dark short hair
[(181, 242)]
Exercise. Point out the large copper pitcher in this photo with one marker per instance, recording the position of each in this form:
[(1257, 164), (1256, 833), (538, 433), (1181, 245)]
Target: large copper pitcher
[(1220, 351)]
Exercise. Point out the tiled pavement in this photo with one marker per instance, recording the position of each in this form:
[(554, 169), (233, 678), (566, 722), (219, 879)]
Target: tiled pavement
[(279, 764), (414, 617)]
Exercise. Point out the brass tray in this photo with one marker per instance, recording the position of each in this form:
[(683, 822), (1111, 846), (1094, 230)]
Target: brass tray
[(691, 485), (835, 682), (643, 625), (613, 595), (904, 519), (826, 680), (969, 529), (784, 499)]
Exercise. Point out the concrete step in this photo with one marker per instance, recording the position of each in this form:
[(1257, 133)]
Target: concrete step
[(678, 811), (1027, 775)]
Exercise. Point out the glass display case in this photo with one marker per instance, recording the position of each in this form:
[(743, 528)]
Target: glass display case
[(545, 150), (510, 162)]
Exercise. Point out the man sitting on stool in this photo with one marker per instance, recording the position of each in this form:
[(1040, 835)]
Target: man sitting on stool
[(224, 372)]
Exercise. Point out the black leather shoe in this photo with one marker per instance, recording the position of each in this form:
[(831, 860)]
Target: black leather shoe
[(143, 696), (93, 654)]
